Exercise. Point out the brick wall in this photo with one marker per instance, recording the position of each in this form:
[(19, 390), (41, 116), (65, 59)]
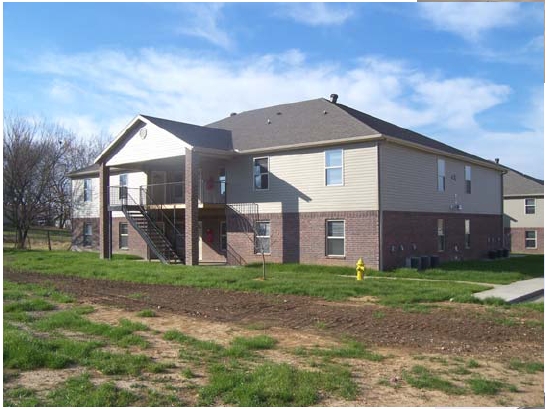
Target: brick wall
[(518, 243), (301, 238), (137, 245), (77, 233), (403, 230)]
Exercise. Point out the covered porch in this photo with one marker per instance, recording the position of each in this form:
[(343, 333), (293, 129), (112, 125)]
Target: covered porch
[(183, 189)]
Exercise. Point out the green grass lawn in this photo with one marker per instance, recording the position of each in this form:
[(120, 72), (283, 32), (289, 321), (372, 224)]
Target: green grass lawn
[(328, 282)]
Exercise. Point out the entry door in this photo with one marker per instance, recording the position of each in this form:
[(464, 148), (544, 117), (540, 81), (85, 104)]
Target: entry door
[(158, 188), (200, 241)]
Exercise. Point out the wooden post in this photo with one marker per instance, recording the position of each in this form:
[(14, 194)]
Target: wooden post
[(48, 241)]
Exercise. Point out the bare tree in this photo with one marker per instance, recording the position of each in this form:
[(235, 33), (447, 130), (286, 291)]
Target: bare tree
[(32, 152), (244, 218)]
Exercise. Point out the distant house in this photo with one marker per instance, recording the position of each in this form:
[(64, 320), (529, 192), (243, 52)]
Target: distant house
[(309, 182), (523, 212)]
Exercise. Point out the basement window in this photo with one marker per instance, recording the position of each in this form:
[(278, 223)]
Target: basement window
[(124, 236), (440, 235), (467, 236), (530, 239), (335, 238), (87, 234), (262, 242)]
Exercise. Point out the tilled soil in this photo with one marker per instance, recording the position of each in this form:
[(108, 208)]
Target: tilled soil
[(461, 329)]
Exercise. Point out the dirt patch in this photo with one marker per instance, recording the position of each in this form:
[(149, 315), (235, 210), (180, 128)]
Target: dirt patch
[(447, 331)]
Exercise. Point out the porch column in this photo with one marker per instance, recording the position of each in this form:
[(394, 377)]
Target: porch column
[(104, 223), (191, 208)]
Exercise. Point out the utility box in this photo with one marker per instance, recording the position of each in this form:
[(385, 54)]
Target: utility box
[(424, 262)]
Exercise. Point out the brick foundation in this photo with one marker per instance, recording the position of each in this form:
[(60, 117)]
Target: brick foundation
[(301, 238), (77, 233), (402, 230), (137, 245), (516, 238)]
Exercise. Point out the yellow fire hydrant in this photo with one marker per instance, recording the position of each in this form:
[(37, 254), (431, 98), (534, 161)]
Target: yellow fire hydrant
[(360, 269)]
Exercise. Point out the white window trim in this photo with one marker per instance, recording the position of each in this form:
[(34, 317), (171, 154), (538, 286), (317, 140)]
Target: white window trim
[(90, 197), (535, 239), (439, 235), (334, 167), (266, 237), (527, 206), (268, 173), (334, 238), (223, 223), (444, 175), (466, 233), (467, 180), (85, 234), (127, 235)]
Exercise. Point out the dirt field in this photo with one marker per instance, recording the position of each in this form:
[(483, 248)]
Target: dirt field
[(439, 337)]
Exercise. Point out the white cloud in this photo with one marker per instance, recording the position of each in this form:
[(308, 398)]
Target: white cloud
[(471, 20), (316, 14), (114, 86), (202, 20)]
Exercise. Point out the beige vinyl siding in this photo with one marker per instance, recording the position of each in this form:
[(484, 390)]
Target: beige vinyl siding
[(84, 209), (515, 216), (297, 181), (409, 183), (157, 144)]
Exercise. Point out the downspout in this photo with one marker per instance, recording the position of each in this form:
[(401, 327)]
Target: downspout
[(503, 172), (380, 258)]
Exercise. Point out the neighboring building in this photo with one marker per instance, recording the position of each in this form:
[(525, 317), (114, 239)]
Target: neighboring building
[(523, 212), (309, 182)]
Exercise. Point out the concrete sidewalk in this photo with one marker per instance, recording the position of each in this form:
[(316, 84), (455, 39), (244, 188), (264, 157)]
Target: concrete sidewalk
[(515, 292)]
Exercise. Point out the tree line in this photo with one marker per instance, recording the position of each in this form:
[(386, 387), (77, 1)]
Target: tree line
[(38, 156)]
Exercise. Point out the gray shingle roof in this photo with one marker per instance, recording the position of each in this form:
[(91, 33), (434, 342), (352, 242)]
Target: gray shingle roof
[(305, 122), (289, 124), (86, 171), (519, 184), (194, 135)]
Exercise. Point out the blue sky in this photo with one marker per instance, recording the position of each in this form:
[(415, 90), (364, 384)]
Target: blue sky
[(468, 74)]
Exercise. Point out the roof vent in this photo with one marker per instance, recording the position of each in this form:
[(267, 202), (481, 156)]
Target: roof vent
[(268, 121), (233, 114), (334, 98), (497, 160), (325, 112)]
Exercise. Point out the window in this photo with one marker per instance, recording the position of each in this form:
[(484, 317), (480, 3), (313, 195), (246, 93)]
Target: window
[(123, 186), (334, 167), (335, 238), (87, 234), (530, 239), (261, 173), (222, 181), (87, 190), (123, 236), (223, 236), (530, 206), (467, 234), (440, 234), (262, 238), (468, 179), (441, 175)]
